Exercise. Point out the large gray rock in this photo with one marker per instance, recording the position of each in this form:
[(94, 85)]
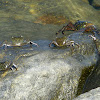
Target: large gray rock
[(94, 94), (50, 73), (44, 76)]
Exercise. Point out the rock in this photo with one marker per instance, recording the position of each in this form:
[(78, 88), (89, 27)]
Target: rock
[(96, 4), (96, 1), (77, 10), (86, 1), (95, 75), (94, 94), (50, 73)]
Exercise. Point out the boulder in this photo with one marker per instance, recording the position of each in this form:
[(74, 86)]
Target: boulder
[(51, 73), (94, 94), (93, 81), (96, 4)]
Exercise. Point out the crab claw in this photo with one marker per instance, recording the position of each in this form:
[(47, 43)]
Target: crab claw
[(53, 42), (32, 43), (93, 37), (12, 66), (73, 44), (69, 27)]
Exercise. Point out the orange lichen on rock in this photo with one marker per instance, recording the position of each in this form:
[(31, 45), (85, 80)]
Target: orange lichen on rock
[(51, 19)]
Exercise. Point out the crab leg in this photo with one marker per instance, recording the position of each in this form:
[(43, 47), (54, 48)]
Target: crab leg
[(30, 42), (64, 27), (93, 37), (11, 66), (71, 43), (53, 42), (68, 27)]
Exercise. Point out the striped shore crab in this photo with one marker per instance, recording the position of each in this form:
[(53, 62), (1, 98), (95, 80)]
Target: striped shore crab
[(4, 66), (63, 42), (18, 42), (83, 26)]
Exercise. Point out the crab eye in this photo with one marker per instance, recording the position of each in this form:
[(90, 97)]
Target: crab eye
[(73, 44)]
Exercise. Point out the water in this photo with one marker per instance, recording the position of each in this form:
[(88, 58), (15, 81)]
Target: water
[(40, 19)]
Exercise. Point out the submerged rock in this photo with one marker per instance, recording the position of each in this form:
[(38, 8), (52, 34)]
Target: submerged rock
[(94, 94), (96, 4), (39, 19), (51, 73)]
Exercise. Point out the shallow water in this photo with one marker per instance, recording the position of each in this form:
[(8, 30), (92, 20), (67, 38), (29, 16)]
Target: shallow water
[(38, 20)]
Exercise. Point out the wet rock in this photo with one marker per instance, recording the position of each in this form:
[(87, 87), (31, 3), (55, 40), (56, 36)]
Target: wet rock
[(51, 73), (51, 19), (33, 10), (96, 4), (75, 10), (94, 94), (86, 1), (93, 81), (96, 1)]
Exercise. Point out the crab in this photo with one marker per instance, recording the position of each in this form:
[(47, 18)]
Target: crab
[(63, 42), (83, 26), (93, 37), (18, 42), (4, 66)]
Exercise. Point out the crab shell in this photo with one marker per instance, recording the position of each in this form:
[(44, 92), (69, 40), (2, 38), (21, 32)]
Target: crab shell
[(84, 25), (63, 41), (4, 66)]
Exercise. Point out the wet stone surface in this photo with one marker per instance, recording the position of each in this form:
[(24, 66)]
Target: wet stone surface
[(47, 72), (90, 83)]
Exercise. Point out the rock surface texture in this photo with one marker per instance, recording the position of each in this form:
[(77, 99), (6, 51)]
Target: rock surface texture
[(96, 4), (95, 75), (91, 95), (51, 74)]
